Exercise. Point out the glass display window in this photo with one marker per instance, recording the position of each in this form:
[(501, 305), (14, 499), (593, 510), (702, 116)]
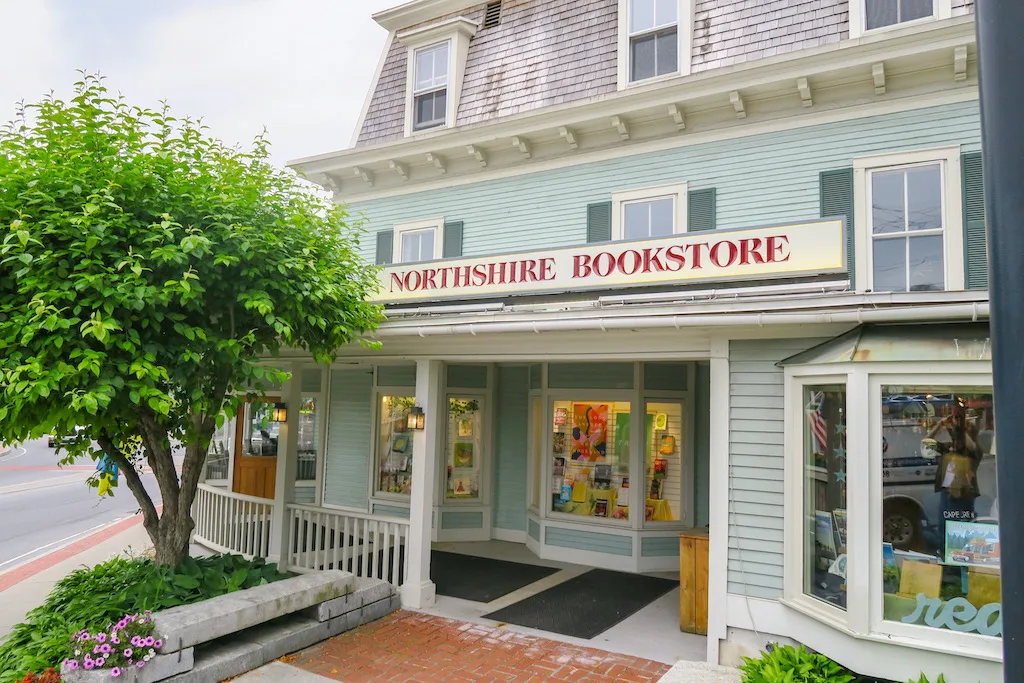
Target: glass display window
[(260, 433), (663, 462), (824, 475), (218, 456), (940, 513), (590, 447), (394, 445), (464, 452), (309, 439)]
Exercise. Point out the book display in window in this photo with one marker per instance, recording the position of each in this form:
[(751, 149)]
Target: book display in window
[(663, 461), (394, 444), (589, 456), (463, 449)]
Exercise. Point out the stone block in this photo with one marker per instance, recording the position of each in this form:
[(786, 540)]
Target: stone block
[(364, 592), (189, 625), (225, 659), (286, 636), (159, 668)]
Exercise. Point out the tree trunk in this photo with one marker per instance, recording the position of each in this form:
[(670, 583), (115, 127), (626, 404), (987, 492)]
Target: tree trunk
[(171, 538)]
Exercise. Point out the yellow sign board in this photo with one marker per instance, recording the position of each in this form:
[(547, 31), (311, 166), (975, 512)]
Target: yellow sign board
[(812, 248)]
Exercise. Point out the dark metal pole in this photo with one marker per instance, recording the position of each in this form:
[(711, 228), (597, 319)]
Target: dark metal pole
[(1001, 64)]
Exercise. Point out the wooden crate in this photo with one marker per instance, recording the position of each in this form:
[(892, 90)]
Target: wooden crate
[(693, 582)]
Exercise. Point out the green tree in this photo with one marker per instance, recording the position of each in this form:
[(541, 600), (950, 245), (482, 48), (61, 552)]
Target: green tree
[(149, 276)]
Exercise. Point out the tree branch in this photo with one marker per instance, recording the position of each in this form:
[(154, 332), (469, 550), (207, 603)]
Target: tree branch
[(150, 518), (160, 459)]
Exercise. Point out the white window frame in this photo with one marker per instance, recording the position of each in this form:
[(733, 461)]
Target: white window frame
[(457, 32), (435, 224), (684, 32), (948, 159), (447, 45), (863, 618), (941, 9), (322, 399), (679, 193)]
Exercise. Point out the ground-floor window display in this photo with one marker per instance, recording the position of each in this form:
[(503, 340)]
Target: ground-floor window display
[(394, 445), (464, 449)]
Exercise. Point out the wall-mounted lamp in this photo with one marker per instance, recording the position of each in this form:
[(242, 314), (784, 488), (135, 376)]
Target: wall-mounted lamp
[(280, 413), (415, 418)]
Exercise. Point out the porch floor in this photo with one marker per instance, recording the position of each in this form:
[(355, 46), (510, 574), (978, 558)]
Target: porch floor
[(650, 634)]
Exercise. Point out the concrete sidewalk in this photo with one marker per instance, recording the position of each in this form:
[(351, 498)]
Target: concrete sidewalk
[(25, 587)]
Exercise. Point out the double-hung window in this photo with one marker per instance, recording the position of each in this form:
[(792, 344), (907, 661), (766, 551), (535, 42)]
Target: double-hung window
[(648, 213), (882, 15), (430, 86), (418, 241), (909, 222), (653, 38)]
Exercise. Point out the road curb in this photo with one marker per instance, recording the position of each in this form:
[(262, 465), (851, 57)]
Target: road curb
[(18, 574)]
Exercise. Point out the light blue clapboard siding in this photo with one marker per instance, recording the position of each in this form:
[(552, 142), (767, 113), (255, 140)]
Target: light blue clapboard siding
[(462, 520), (467, 376), (765, 178), (396, 375), (511, 424), (659, 546), (391, 510), (305, 495), (594, 541), (757, 461), (590, 376), (702, 444), (347, 464), (534, 530)]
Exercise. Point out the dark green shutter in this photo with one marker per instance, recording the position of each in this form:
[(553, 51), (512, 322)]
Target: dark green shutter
[(701, 210), (836, 196), (385, 247), (599, 222), (452, 246), (975, 240)]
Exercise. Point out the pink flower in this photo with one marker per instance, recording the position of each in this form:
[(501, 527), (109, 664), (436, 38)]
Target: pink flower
[(158, 644), (100, 637), (115, 640), (96, 649), (141, 664), (73, 664), (115, 672), (106, 649), (136, 641), (100, 662), (88, 663), (148, 642), (128, 653)]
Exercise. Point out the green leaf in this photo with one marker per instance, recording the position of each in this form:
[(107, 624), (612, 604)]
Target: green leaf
[(186, 581)]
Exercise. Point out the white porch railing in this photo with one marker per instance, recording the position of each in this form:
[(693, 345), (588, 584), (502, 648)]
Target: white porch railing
[(368, 546), (232, 523)]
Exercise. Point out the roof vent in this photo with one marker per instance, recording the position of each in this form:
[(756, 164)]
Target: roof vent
[(492, 15)]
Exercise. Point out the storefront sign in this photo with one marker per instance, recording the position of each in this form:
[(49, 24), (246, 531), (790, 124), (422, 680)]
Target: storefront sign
[(811, 248), (958, 615)]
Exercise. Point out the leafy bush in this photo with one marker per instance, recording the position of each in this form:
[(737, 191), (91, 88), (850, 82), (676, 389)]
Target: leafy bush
[(128, 644), (786, 664), (924, 679), (94, 599)]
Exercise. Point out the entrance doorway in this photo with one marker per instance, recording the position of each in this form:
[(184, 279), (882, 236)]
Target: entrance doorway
[(256, 440)]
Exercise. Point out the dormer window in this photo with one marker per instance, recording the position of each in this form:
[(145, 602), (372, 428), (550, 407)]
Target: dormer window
[(430, 93), (653, 38), (869, 16)]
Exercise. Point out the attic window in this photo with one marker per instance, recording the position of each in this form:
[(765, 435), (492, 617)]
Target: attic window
[(492, 15)]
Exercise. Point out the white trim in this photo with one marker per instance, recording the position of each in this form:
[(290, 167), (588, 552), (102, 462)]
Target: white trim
[(510, 535), (684, 34), (435, 224), (678, 192), (373, 89), (941, 9), (750, 127), (952, 201), (718, 493), (457, 32), (419, 11)]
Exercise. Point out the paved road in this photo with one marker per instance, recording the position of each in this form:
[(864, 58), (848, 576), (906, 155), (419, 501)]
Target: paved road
[(43, 508)]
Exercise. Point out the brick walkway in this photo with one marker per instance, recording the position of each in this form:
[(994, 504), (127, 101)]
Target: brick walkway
[(419, 648)]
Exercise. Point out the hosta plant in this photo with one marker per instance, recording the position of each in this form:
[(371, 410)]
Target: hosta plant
[(786, 664)]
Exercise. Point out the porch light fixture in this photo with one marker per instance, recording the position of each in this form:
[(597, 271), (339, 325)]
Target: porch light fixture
[(415, 418), (280, 413)]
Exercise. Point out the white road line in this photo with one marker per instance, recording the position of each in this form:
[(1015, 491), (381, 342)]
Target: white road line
[(23, 450), (39, 484), (65, 541)]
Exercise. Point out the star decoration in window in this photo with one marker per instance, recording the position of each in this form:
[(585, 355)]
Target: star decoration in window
[(840, 476), (840, 453)]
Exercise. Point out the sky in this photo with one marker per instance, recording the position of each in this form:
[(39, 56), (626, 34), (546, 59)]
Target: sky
[(300, 68)]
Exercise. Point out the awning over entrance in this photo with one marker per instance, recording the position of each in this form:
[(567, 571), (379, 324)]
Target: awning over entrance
[(901, 343)]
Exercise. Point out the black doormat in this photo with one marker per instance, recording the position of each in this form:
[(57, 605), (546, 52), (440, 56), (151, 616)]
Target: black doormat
[(480, 579), (586, 606)]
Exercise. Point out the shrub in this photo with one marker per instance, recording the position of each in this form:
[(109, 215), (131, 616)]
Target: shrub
[(94, 599), (786, 664)]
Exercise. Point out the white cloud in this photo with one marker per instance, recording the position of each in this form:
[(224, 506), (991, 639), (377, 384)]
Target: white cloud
[(26, 71), (302, 69)]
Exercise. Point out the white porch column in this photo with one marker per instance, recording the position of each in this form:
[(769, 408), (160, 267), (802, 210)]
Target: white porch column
[(418, 589), (287, 467)]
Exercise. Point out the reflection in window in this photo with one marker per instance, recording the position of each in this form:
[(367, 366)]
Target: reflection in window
[(394, 445), (940, 517), (663, 461), (465, 432), (649, 218), (824, 447), (417, 246), (653, 38), (259, 432), (219, 454), (879, 13), (309, 440), (590, 458), (430, 87), (907, 229)]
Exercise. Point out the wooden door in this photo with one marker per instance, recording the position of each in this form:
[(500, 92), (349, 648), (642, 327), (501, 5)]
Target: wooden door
[(256, 443)]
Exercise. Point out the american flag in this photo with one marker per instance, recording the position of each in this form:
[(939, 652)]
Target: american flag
[(816, 420)]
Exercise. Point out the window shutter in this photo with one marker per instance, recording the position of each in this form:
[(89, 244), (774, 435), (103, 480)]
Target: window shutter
[(836, 190), (975, 239), (701, 210), (452, 245), (385, 247), (599, 222)]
